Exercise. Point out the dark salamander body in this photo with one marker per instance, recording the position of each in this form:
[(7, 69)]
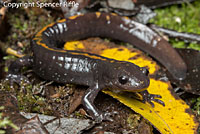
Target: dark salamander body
[(51, 62)]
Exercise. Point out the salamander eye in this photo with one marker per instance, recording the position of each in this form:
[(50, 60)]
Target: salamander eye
[(123, 80), (145, 71)]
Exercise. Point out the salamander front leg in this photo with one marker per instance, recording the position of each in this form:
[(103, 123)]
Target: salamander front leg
[(14, 70), (88, 104), (147, 97)]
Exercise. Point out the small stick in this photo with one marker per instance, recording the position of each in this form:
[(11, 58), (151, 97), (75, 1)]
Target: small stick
[(13, 52), (189, 37)]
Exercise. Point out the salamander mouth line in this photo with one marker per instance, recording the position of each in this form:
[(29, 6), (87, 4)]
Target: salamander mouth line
[(127, 90)]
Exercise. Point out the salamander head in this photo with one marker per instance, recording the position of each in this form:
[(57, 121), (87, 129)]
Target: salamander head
[(129, 77)]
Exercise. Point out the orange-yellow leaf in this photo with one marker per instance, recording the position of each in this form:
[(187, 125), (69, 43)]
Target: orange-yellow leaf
[(175, 118)]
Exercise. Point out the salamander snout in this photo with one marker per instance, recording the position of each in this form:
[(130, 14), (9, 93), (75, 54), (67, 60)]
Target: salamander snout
[(145, 71), (128, 76)]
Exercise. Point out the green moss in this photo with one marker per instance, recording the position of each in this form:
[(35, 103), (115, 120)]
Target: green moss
[(182, 18), (5, 122), (197, 105), (25, 23), (29, 102), (133, 120)]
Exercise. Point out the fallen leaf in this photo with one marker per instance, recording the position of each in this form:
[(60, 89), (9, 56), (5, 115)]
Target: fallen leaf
[(175, 118)]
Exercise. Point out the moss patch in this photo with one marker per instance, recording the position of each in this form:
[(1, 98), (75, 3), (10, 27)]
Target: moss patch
[(182, 18)]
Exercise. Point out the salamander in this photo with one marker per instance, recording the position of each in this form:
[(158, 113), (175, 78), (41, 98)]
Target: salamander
[(51, 62)]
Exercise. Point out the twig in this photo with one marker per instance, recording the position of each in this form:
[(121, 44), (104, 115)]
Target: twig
[(189, 37), (13, 52)]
